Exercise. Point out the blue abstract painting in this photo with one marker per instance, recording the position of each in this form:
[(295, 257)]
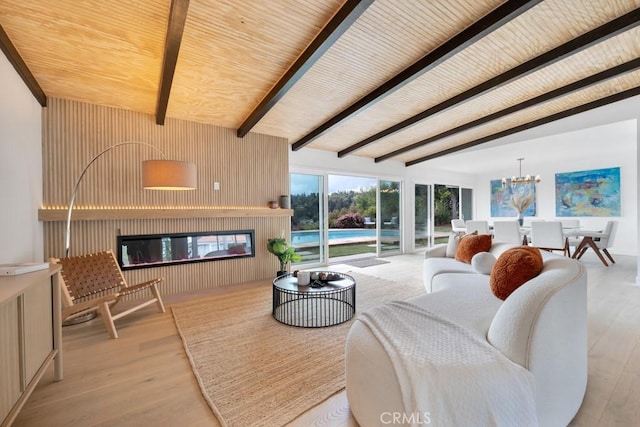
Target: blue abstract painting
[(506, 201), (588, 193)]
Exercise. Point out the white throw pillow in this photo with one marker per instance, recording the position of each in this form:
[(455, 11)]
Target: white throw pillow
[(483, 262), (452, 244), (454, 241)]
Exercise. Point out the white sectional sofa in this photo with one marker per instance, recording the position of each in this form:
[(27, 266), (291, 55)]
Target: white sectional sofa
[(439, 270), (541, 326)]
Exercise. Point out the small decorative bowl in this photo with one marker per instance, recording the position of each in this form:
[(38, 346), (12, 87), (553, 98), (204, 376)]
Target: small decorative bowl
[(273, 204)]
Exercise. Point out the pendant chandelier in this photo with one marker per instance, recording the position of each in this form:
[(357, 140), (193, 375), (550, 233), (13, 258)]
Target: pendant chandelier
[(520, 180)]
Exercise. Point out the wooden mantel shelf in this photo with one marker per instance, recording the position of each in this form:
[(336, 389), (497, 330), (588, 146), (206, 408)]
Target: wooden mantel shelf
[(159, 213)]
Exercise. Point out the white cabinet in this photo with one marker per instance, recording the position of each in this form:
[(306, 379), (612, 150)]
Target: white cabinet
[(30, 336)]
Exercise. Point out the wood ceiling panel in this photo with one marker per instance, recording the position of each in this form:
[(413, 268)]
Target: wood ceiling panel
[(390, 35), (615, 51), (542, 28), (593, 93), (107, 53), (232, 53)]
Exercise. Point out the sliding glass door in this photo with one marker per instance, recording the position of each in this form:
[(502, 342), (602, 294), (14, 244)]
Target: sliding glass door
[(435, 205), (307, 223), (390, 201), (339, 216), (466, 203), (422, 218), (351, 216)]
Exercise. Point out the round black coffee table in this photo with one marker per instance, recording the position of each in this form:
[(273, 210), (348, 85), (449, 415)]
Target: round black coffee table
[(314, 307)]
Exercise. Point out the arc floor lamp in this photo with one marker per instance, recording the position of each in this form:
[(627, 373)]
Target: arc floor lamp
[(156, 175)]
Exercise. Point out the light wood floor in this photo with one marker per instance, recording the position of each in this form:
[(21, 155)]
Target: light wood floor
[(144, 377)]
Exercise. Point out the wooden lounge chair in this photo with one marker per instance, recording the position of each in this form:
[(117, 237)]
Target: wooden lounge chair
[(95, 282)]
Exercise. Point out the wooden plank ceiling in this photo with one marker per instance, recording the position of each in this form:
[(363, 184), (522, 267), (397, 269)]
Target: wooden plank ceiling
[(386, 79)]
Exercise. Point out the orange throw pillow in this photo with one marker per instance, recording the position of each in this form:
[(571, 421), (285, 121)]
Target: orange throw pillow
[(513, 268), (472, 244)]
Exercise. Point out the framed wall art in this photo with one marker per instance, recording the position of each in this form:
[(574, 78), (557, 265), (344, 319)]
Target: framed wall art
[(588, 193), (512, 201)]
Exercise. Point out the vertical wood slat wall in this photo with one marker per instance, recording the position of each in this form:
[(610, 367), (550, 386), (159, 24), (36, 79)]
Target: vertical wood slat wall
[(251, 171)]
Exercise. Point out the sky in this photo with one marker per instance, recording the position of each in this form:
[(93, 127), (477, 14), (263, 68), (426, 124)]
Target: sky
[(309, 183)]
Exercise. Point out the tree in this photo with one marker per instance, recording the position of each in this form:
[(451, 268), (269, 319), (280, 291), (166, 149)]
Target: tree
[(389, 200), (443, 199), (365, 202), (306, 212)]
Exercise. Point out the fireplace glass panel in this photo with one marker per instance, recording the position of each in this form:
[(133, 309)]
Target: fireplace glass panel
[(152, 250)]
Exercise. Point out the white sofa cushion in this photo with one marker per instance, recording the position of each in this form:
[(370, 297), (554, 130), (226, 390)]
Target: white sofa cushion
[(451, 280), (453, 243), (436, 251), (465, 298), (435, 266)]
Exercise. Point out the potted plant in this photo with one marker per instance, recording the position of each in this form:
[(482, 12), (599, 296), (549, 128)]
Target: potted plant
[(285, 253)]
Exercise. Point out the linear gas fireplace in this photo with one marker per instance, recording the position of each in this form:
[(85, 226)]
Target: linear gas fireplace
[(153, 250)]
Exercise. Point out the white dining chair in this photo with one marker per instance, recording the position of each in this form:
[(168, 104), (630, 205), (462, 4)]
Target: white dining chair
[(548, 236), (481, 226), (570, 223), (458, 225), (507, 231), (527, 220), (598, 242)]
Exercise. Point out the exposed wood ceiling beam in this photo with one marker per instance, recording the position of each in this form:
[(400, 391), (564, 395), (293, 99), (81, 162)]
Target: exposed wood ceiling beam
[(340, 22), (539, 122), (175, 28), (556, 93), (604, 32), (492, 21), (16, 60)]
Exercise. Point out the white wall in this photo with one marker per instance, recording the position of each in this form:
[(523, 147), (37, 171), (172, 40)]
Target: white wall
[(574, 151), (637, 196), (20, 169)]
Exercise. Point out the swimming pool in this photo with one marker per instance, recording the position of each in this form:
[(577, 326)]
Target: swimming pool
[(312, 236)]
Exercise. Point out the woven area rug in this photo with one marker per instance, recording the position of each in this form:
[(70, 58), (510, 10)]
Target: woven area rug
[(253, 370)]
